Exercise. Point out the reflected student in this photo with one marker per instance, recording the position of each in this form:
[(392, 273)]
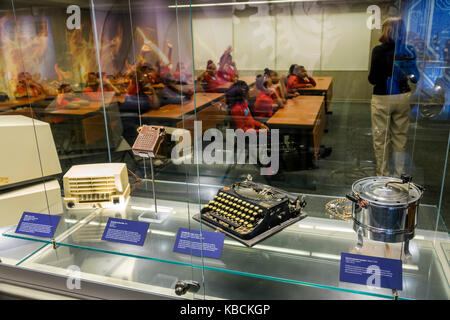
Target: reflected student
[(299, 79), (182, 74), (93, 87), (227, 67), (209, 79), (279, 84), (27, 87), (268, 100), (393, 65), (236, 98)]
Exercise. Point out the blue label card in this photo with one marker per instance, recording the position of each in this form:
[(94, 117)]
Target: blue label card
[(190, 242), (125, 231), (38, 224), (371, 271)]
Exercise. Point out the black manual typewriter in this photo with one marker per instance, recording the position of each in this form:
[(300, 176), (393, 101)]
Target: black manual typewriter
[(250, 212)]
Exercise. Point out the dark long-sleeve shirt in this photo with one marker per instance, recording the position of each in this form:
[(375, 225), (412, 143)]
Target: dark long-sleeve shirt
[(389, 75)]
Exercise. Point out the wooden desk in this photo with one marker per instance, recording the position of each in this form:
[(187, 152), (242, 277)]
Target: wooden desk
[(250, 80), (303, 116), (324, 87), (12, 104), (93, 107), (209, 109), (87, 123), (176, 111), (202, 100)]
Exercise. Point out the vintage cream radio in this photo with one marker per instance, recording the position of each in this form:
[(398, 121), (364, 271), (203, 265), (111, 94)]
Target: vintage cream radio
[(100, 185)]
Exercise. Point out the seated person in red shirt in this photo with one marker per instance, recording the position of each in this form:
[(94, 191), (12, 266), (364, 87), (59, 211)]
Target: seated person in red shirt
[(162, 69), (209, 79), (66, 99), (93, 89), (140, 95), (227, 67), (279, 85), (149, 73), (239, 111), (299, 79), (266, 102), (27, 87), (181, 74), (92, 86), (109, 86)]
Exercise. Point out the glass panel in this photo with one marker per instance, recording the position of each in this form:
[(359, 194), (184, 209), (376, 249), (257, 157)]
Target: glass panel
[(30, 168), (14, 251), (333, 116), (430, 116), (56, 51), (333, 97), (129, 60)]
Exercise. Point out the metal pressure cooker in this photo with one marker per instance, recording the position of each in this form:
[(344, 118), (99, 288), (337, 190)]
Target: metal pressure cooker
[(385, 209)]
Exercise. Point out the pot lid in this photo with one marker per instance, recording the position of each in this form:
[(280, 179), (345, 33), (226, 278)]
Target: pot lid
[(386, 191)]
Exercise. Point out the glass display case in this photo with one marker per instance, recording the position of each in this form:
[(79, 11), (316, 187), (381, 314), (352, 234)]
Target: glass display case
[(225, 149)]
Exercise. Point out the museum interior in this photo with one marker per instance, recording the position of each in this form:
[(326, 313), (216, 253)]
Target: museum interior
[(225, 149)]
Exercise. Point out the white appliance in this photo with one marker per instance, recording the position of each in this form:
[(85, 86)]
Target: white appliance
[(39, 198), (28, 166), (28, 153), (100, 185)]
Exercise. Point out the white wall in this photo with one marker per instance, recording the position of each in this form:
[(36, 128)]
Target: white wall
[(317, 36)]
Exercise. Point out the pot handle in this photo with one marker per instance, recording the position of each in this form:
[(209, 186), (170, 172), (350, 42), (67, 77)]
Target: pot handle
[(357, 200), (352, 198)]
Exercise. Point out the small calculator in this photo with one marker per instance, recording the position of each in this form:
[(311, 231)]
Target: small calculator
[(148, 141)]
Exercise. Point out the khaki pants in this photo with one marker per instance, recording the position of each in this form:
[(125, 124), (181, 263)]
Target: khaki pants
[(390, 124)]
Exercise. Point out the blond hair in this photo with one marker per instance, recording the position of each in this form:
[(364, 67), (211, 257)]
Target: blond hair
[(390, 28)]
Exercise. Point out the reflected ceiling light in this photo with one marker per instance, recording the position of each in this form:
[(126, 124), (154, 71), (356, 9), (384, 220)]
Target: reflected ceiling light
[(152, 208), (325, 256), (223, 4), (283, 250), (348, 230), (410, 267), (163, 233)]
